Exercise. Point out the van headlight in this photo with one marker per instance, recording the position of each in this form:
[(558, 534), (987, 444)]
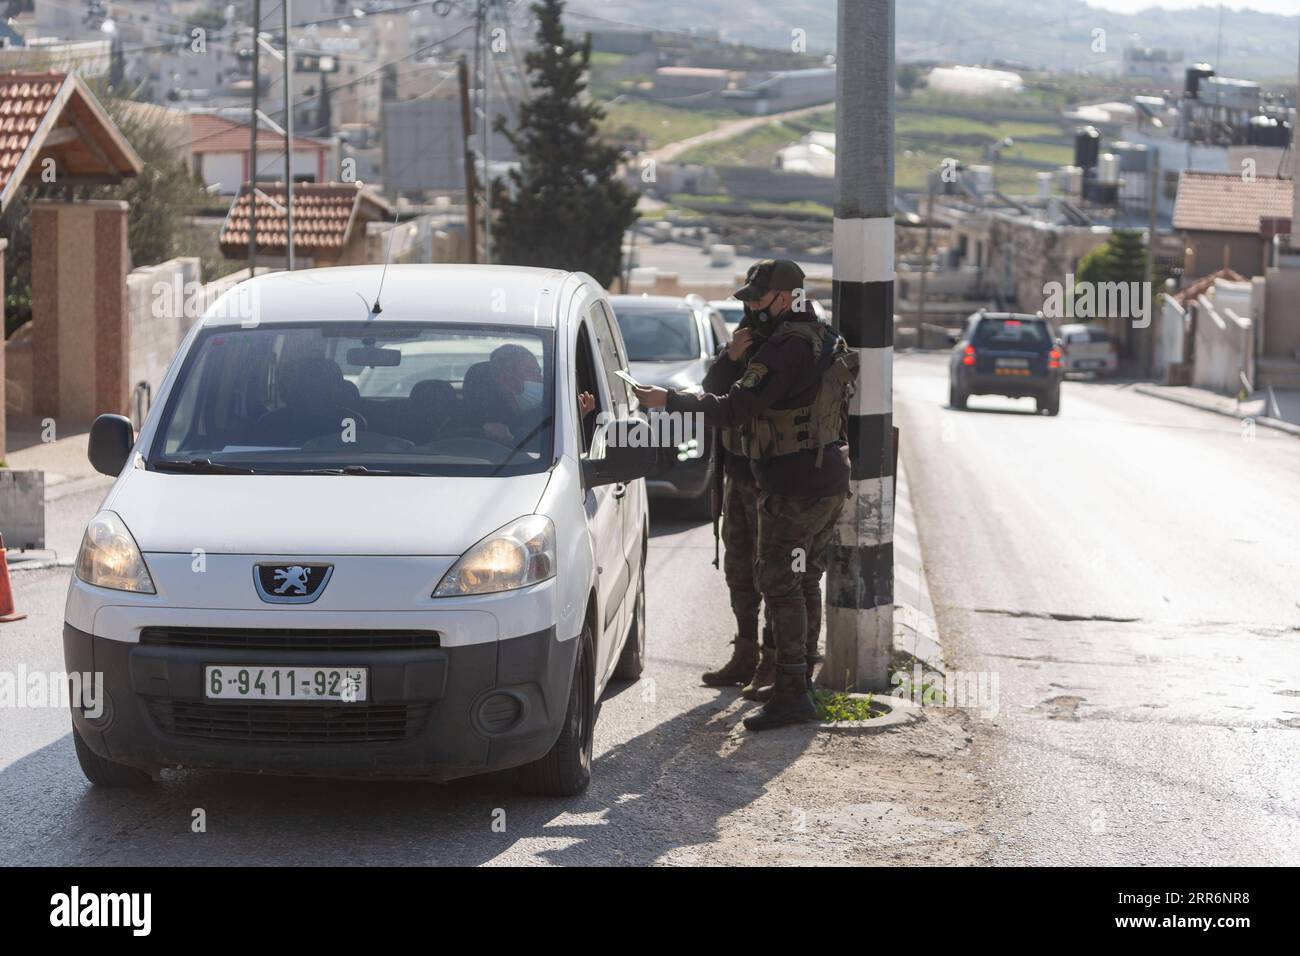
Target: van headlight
[(109, 557), (520, 554)]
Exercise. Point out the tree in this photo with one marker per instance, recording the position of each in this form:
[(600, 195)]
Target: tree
[(566, 208)]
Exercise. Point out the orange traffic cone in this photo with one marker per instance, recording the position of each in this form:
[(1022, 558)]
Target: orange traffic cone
[(7, 612)]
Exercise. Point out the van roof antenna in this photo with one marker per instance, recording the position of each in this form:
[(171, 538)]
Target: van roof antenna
[(388, 252)]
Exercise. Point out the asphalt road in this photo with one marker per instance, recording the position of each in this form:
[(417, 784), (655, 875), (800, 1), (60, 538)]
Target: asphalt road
[(1126, 571), (1129, 573)]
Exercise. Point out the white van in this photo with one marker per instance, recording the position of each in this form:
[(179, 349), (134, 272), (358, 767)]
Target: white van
[(368, 533)]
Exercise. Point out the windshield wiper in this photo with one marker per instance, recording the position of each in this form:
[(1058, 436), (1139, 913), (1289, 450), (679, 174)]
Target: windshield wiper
[(348, 470), (200, 466), (520, 447)]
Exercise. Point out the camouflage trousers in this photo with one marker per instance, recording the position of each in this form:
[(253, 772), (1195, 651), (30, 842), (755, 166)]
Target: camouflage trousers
[(793, 535), (740, 537)]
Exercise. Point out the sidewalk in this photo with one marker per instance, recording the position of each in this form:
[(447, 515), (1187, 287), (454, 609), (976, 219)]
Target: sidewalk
[(1280, 410), (67, 472)]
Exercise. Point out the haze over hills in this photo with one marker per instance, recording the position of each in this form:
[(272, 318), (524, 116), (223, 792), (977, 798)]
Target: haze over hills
[(1053, 33)]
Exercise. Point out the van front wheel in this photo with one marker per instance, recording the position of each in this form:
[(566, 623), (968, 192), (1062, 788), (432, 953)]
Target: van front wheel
[(565, 771), (103, 772)]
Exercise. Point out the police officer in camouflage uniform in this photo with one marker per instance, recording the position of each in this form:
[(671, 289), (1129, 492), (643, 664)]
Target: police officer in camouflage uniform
[(791, 410), (753, 666)]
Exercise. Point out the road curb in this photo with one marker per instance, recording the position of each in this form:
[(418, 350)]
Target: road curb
[(40, 565), (1155, 391), (915, 631)]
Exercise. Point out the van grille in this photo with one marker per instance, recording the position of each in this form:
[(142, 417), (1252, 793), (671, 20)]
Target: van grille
[(290, 723), (281, 639)]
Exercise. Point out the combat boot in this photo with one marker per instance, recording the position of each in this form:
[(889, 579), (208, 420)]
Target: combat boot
[(790, 703), (744, 658), (763, 676), (813, 660)]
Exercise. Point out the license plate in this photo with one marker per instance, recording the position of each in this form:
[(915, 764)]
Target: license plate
[(1013, 363), (1011, 371), (1089, 363), (295, 682)]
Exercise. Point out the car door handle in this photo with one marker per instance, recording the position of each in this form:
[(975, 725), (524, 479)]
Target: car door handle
[(620, 490)]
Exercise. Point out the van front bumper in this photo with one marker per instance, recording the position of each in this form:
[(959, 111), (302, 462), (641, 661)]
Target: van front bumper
[(431, 712)]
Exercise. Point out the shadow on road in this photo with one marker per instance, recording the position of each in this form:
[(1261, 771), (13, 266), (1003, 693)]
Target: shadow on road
[(662, 790)]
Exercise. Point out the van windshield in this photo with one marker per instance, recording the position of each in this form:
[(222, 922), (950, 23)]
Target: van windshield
[(394, 398)]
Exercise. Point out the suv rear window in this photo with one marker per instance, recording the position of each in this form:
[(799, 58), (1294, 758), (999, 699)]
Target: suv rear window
[(1012, 333)]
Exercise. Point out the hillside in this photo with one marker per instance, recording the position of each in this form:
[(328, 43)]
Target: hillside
[(1254, 45)]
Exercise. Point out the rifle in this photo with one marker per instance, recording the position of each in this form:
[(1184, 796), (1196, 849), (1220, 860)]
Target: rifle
[(715, 491)]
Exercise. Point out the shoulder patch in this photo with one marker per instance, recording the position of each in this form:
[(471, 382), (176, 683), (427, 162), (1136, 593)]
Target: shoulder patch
[(754, 374)]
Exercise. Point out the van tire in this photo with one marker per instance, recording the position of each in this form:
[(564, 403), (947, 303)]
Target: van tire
[(103, 772), (565, 771), (632, 661), (1050, 403)]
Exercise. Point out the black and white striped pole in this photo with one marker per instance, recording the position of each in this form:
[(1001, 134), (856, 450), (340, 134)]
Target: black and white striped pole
[(860, 569)]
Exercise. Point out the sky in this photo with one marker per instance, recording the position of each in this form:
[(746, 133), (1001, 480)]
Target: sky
[(1287, 7)]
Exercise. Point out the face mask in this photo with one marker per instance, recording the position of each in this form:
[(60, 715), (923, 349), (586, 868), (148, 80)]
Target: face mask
[(530, 397)]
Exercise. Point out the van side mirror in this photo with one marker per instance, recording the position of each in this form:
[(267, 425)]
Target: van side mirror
[(111, 439), (622, 450)]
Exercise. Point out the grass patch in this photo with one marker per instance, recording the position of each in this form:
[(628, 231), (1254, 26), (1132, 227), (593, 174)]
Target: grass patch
[(833, 706), (658, 123)]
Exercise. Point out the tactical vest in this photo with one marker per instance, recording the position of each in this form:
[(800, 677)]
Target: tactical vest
[(783, 431)]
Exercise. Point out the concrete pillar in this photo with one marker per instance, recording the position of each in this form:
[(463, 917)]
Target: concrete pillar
[(860, 567), (80, 323)]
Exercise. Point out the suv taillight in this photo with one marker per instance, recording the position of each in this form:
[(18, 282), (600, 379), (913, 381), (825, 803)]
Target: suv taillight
[(1054, 358), (968, 355)]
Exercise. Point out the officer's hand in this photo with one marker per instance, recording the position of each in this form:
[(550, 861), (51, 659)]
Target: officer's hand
[(652, 396), (586, 403), (739, 344)]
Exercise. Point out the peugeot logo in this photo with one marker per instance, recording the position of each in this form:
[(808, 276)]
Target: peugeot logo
[(291, 583)]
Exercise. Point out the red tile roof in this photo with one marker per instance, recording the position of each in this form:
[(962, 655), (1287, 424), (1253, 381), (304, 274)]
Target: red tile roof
[(88, 144), (25, 98), (210, 133), (1203, 285), (324, 215), (1224, 202)]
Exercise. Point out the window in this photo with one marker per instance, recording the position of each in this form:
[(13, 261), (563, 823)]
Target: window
[(436, 399), (611, 356), (660, 335), (1011, 333), (585, 375)]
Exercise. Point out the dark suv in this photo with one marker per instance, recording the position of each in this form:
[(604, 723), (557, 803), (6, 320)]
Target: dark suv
[(1004, 353)]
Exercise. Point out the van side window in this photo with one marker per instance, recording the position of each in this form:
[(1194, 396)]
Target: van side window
[(611, 357), (585, 374)]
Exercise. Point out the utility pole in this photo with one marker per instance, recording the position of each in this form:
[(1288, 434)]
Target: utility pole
[(925, 258), (860, 572), (288, 139), (471, 184), (252, 149), (1145, 349), (485, 132)]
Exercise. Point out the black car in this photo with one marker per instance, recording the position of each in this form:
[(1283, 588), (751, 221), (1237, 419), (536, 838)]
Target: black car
[(670, 342), (1005, 353)]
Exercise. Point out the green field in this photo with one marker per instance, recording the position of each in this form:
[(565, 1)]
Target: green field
[(923, 141), (659, 124)]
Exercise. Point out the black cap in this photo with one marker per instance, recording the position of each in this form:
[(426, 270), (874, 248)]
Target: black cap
[(766, 275)]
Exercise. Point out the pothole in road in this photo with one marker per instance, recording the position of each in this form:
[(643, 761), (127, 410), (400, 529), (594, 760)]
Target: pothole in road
[(1064, 707)]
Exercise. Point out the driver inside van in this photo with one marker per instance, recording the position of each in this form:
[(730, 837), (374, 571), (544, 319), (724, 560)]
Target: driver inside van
[(518, 378)]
